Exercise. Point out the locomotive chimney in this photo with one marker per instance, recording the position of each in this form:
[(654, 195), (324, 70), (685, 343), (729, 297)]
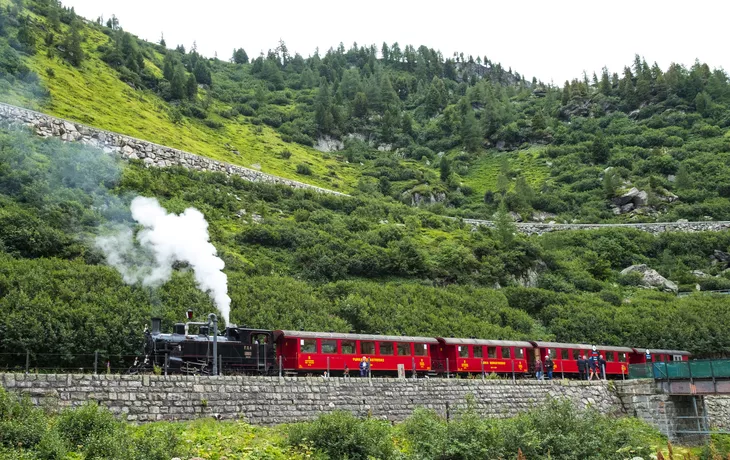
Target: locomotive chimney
[(156, 325), (203, 330), (178, 328)]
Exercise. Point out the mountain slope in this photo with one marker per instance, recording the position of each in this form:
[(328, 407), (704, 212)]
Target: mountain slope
[(459, 135)]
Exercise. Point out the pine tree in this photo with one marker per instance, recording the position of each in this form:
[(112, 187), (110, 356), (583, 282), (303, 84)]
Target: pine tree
[(445, 168), (162, 41), (524, 193), (323, 109), (504, 225), (610, 183), (566, 93), (191, 87), (600, 149), (605, 85), (202, 73), (471, 135), (240, 56), (178, 82), (168, 67), (683, 180), (503, 184), (360, 105), (25, 35), (72, 51)]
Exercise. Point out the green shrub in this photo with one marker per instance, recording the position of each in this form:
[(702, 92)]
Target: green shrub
[(342, 435), (89, 424), (21, 424), (631, 279), (304, 170)]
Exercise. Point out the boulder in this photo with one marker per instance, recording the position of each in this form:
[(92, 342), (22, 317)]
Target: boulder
[(628, 207), (641, 199), (651, 277), (328, 144), (700, 274), (627, 197)]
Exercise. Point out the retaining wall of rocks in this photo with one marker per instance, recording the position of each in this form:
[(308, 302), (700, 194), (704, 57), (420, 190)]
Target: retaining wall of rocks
[(136, 149), (272, 400)]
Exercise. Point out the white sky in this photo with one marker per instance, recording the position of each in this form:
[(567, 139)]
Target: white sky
[(549, 39)]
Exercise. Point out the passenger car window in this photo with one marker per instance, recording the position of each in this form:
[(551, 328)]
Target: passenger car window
[(520, 353), (329, 346), (308, 345), (463, 351), (348, 347), (478, 351), (404, 349), (564, 354), (506, 352), (367, 348), (491, 352), (622, 357), (386, 348), (610, 357), (421, 349)]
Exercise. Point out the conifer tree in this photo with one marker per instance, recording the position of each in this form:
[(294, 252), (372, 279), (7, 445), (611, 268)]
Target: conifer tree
[(323, 109), (191, 87), (168, 67), (72, 51), (566, 93), (202, 72), (445, 168), (360, 105), (683, 178), (178, 82), (504, 225), (471, 135), (240, 56)]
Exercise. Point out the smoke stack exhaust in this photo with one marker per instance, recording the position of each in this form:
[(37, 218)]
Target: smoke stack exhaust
[(156, 322)]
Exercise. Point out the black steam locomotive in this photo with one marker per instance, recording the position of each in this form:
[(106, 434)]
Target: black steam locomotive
[(240, 350)]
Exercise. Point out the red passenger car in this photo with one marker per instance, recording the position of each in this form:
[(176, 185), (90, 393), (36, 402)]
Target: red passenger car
[(565, 357), (658, 356), (305, 352), (477, 355)]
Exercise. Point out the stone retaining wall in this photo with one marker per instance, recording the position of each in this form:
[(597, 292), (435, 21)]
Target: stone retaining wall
[(530, 228), (131, 148), (272, 400)]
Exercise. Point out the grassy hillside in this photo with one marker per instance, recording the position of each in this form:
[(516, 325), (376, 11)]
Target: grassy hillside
[(460, 136)]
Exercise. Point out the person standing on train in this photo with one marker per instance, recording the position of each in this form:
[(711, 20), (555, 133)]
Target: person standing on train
[(538, 368), (582, 367), (549, 367)]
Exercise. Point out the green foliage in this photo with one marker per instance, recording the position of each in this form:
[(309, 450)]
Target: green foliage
[(342, 435), (554, 430)]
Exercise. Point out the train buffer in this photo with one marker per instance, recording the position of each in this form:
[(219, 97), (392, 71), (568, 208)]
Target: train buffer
[(694, 377)]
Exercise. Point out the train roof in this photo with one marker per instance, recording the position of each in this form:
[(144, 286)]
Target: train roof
[(582, 346), (654, 351), (497, 343), (343, 336)]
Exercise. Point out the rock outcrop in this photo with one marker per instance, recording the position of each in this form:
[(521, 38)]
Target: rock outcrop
[(651, 278)]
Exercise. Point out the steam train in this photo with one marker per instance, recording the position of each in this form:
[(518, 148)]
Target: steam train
[(242, 350)]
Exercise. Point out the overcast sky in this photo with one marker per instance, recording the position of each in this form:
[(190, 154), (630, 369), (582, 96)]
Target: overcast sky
[(550, 39)]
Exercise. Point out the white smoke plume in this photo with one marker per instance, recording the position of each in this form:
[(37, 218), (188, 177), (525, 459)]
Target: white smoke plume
[(165, 239)]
